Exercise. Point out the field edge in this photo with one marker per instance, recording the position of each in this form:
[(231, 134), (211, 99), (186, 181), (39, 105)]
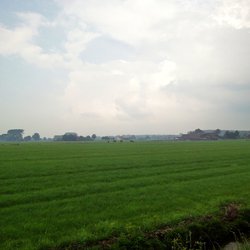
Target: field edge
[(212, 231)]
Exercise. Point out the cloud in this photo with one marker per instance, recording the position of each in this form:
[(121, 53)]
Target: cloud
[(235, 13), (137, 64), (173, 42), (19, 41), (32, 19), (77, 40), (118, 89), (128, 21)]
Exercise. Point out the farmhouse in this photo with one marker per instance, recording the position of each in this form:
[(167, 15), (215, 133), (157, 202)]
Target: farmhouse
[(200, 135)]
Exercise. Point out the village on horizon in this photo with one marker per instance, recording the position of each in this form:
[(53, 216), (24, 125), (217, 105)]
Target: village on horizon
[(195, 135)]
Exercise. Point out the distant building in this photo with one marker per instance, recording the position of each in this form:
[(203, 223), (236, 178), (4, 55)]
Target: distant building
[(199, 135)]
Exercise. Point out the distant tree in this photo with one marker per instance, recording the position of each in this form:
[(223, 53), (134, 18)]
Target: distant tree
[(36, 137), (93, 136), (232, 135), (4, 137), (236, 134), (15, 135), (70, 137), (105, 138), (88, 138), (227, 135), (27, 138)]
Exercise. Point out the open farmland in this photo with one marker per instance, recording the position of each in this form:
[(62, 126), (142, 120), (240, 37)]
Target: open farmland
[(53, 193)]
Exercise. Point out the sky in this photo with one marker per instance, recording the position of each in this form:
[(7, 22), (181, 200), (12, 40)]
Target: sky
[(124, 66)]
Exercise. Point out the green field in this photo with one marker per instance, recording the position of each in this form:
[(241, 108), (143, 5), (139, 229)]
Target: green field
[(52, 193)]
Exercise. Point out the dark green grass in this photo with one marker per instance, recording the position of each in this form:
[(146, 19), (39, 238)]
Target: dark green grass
[(53, 193)]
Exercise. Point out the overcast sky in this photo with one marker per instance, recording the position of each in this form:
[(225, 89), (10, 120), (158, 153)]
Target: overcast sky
[(124, 66)]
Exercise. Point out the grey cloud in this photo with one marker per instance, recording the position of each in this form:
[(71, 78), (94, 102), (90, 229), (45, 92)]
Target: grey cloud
[(131, 110), (180, 65), (104, 49), (91, 116)]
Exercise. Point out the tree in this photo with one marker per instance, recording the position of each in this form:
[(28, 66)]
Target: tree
[(105, 138), (81, 138), (4, 137), (93, 136), (228, 135), (36, 137), (27, 138), (70, 136), (15, 135), (88, 138), (236, 134), (232, 135)]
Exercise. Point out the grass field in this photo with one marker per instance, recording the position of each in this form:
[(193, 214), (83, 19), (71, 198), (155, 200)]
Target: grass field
[(52, 193)]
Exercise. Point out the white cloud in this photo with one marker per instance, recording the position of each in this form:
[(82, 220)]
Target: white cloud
[(183, 56), (235, 13), (19, 41), (13, 40), (31, 19), (130, 21), (77, 40), (176, 42)]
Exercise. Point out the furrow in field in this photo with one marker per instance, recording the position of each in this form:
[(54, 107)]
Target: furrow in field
[(62, 168), (70, 179), (83, 156), (83, 190)]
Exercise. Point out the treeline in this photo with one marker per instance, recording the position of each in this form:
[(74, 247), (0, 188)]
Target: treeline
[(17, 135), (197, 134), (232, 134), (71, 136)]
